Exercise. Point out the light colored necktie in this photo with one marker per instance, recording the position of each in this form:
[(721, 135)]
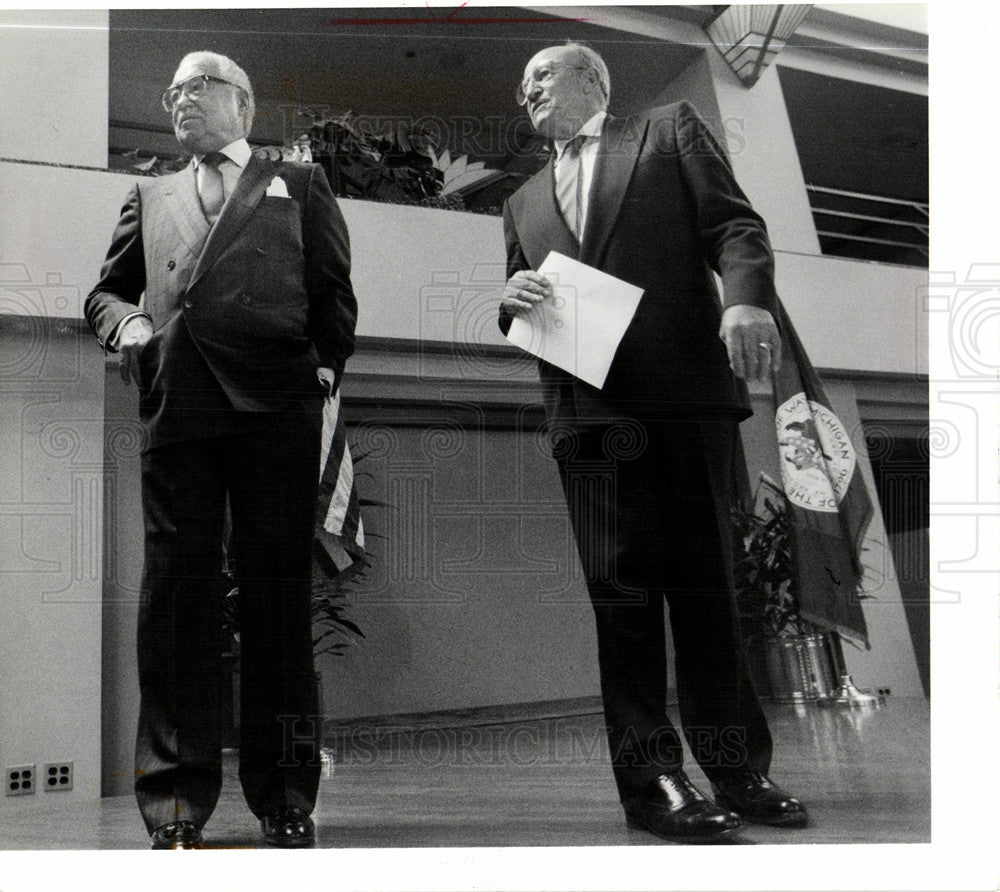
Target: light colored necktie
[(210, 187), (569, 182)]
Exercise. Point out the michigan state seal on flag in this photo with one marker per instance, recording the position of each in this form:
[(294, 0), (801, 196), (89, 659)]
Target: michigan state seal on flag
[(817, 457), (828, 505)]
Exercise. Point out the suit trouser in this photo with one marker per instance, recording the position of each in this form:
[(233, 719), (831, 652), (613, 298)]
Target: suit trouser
[(269, 467), (650, 508)]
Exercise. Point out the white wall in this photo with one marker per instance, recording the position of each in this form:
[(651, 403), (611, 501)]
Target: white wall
[(53, 93), (51, 507), (54, 85), (764, 156), (436, 275)]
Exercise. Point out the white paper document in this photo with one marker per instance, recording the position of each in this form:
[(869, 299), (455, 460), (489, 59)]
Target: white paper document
[(579, 328)]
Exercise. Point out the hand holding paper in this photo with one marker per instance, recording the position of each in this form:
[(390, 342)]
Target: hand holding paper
[(523, 290), (580, 327)]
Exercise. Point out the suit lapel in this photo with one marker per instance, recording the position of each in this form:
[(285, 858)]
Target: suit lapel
[(180, 197), (540, 225), (616, 158), (250, 188)]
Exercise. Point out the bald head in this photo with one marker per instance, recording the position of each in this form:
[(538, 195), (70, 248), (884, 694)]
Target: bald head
[(563, 87)]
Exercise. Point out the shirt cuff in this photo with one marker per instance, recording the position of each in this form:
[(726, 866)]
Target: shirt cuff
[(328, 378), (112, 342)]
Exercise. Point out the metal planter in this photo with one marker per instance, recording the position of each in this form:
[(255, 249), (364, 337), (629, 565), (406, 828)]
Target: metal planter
[(799, 668)]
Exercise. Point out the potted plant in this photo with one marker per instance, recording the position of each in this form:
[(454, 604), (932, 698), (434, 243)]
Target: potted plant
[(394, 162), (790, 658)]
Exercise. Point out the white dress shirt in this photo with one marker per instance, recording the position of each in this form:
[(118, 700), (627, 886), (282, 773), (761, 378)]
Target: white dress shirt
[(588, 158)]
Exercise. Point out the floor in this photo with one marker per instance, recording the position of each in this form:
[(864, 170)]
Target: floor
[(865, 776)]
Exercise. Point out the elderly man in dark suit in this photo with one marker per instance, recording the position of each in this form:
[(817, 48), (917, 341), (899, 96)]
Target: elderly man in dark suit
[(245, 265), (646, 461)]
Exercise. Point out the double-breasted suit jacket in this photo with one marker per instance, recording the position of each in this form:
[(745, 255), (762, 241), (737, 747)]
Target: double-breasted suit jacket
[(243, 312), (664, 212)]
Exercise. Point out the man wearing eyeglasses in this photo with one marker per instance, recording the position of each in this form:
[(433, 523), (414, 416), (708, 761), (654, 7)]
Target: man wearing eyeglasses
[(646, 461), (244, 263)]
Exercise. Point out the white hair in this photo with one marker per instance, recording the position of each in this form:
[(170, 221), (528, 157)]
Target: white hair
[(228, 71), (593, 60)]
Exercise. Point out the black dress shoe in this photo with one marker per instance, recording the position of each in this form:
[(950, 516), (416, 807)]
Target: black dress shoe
[(760, 800), (289, 828), (676, 810), (177, 835)]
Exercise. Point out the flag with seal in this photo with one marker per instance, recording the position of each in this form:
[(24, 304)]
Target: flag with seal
[(828, 504)]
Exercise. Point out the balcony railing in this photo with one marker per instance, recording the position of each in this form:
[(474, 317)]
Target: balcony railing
[(870, 227)]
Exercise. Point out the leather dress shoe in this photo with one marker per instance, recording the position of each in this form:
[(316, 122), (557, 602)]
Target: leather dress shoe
[(177, 835), (674, 809), (757, 798), (288, 828)]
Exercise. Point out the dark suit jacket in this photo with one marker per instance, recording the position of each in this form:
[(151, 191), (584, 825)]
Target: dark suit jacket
[(244, 314), (664, 211)]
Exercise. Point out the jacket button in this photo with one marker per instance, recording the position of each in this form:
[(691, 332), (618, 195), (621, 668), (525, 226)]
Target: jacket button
[(171, 264), (188, 305)]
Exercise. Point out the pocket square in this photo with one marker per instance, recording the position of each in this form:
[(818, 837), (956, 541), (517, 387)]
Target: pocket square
[(277, 188)]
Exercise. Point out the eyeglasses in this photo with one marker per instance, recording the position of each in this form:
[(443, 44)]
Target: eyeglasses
[(194, 88), (542, 75)]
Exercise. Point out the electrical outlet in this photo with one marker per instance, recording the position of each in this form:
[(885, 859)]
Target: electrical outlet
[(57, 776), (20, 780)]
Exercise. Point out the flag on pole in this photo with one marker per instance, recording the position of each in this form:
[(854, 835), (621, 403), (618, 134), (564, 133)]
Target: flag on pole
[(828, 505), (340, 532)]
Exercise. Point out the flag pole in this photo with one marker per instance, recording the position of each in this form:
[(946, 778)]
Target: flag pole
[(848, 694)]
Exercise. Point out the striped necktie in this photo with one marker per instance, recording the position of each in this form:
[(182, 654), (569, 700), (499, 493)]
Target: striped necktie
[(210, 187), (569, 183)]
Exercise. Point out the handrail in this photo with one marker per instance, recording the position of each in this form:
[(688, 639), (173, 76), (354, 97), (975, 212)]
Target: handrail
[(867, 196), (916, 228), (920, 227)]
